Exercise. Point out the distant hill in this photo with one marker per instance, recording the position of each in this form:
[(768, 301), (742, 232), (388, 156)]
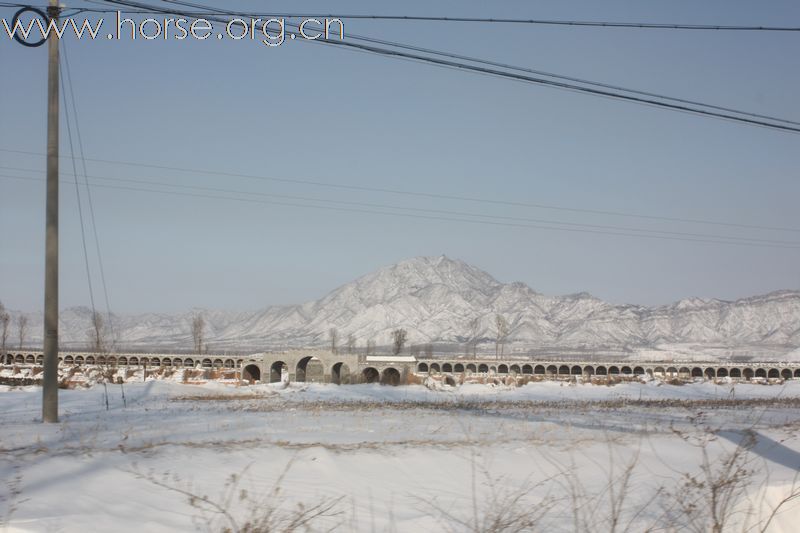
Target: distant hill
[(436, 299)]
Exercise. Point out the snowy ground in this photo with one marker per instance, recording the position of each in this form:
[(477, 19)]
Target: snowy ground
[(547, 456)]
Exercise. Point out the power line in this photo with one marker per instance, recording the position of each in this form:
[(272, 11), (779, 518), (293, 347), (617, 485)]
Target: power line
[(569, 78), (458, 19), (88, 194), (78, 196), (424, 210), (508, 20), (539, 72), (634, 96), (728, 240), (424, 194)]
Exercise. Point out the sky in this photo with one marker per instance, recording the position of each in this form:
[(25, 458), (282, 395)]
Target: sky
[(304, 111)]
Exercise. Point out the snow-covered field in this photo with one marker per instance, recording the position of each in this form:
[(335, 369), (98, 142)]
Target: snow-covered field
[(545, 457)]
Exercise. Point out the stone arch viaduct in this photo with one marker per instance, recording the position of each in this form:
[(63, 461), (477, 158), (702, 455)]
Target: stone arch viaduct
[(328, 367)]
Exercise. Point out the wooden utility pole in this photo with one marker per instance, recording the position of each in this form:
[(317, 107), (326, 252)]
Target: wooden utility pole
[(50, 381)]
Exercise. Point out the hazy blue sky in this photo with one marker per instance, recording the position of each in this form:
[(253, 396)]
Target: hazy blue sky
[(312, 112)]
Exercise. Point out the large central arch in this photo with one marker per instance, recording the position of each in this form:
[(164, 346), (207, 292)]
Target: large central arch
[(340, 374), (276, 371), (310, 369), (251, 373), (390, 376), (370, 375)]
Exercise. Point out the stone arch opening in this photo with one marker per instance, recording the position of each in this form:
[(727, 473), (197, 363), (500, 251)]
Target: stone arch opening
[(217, 363), (251, 373), (613, 370), (340, 374), (229, 363), (177, 362), (797, 373), (786, 373), (722, 372), (122, 361), (551, 370), (563, 370), (89, 360), (483, 367), (471, 368), (588, 370), (422, 368), (68, 360), (540, 370), (627, 370), (697, 372), (493, 369), (748, 373), (761, 373), (709, 373), (370, 375), (277, 371), (133, 361), (502, 369), (435, 368), (155, 361), (205, 364), (165, 362), (773, 373), (391, 376), (659, 370), (638, 371), (310, 369), (30, 359), (602, 371), (528, 369), (515, 369), (188, 363), (447, 367), (576, 370), (736, 372), (684, 371), (458, 367)]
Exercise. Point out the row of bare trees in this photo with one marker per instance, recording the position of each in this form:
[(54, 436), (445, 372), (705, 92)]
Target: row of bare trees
[(399, 338), (501, 330), (5, 325), (97, 335)]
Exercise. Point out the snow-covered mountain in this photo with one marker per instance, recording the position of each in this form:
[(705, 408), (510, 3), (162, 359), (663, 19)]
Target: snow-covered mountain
[(438, 300)]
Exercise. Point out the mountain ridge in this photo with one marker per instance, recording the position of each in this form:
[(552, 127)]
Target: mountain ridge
[(436, 299)]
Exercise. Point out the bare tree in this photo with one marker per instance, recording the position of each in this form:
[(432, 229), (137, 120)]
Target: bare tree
[(97, 334), (5, 319), (474, 331), (502, 332), (22, 328), (351, 343), (399, 338), (198, 330), (333, 334)]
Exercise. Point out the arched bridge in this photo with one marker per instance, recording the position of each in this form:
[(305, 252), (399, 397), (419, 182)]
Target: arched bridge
[(342, 368)]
